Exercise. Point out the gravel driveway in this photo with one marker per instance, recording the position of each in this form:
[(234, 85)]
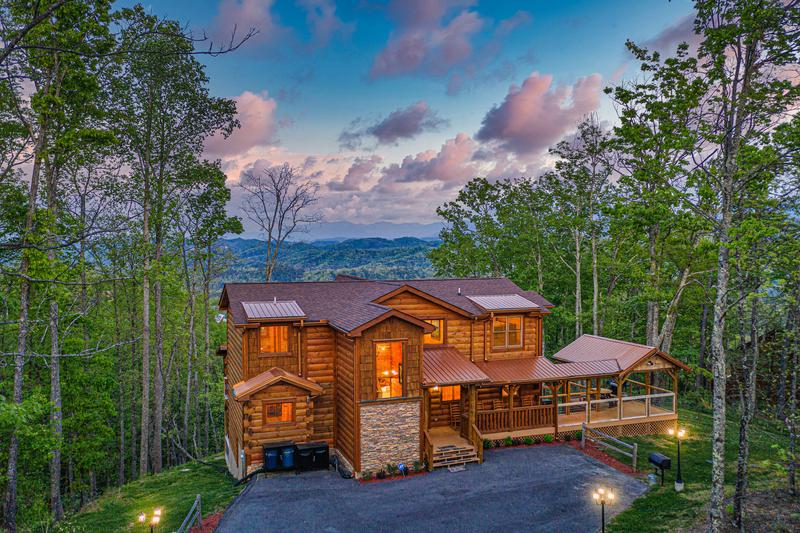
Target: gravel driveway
[(542, 488)]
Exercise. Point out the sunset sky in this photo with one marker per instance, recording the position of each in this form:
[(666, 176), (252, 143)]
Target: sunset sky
[(392, 106)]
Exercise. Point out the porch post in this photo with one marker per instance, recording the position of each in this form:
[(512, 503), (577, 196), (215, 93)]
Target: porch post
[(589, 400), (555, 408), (647, 391), (620, 382), (508, 408), (473, 405)]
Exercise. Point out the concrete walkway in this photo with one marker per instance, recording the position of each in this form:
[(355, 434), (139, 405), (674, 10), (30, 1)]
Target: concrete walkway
[(542, 488)]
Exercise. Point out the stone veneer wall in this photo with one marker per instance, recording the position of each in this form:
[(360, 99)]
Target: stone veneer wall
[(389, 433)]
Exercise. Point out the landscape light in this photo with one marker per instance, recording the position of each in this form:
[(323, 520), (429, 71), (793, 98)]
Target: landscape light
[(601, 497)]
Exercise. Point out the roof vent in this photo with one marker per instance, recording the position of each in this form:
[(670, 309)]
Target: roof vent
[(459, 291), (274, 299)]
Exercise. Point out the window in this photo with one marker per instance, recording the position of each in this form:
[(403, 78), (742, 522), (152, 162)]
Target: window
[(278, 412), (389, 369), (507, 332), (450, 394), (437, 335), (273, 339)]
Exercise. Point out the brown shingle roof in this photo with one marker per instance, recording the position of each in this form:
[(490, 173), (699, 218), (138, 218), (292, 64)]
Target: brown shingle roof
[(591, 348), (444, 365), (348, 303), (243, 389)]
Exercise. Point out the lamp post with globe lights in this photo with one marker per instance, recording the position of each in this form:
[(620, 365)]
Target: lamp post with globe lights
[(601, 497), (154, 520), (680, 435)]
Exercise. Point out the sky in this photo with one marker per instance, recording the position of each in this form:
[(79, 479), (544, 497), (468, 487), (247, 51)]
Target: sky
[(392, 106)]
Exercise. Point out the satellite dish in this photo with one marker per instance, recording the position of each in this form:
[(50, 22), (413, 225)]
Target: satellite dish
[(219, 318)]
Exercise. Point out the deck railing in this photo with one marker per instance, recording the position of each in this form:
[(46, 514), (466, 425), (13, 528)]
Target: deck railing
[(492, 421), (476, 438), (428, 447)]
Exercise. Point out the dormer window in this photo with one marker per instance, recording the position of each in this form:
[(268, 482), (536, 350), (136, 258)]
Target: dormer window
[(273, 339), (507, 332), (437, 335)]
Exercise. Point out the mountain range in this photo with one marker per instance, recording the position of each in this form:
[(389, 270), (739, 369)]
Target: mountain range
[(377, 258)]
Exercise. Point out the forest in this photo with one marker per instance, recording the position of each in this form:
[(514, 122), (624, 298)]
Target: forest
[(677, 225)]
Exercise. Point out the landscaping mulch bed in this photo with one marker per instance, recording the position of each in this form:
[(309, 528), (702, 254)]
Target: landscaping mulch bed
[(595, 453), (209, 524)]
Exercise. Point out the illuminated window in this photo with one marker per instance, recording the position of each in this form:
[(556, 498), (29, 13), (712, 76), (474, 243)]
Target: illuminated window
[(507, 332), (450, 394), (437, 335), (389, 369), (273, 339), (278, 412)]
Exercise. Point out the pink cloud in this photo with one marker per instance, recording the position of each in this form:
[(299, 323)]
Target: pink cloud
[(670, 37), (534, 116), (453, 164), (245, 14), (405, 123), (423, 42), (323, 22), (256, 114), (359, 173)]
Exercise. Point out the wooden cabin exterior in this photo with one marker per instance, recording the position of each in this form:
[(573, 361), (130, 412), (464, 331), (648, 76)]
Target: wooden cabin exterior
[(420, 370)]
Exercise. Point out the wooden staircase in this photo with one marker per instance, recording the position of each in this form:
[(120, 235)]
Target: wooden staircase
[(453, 454)]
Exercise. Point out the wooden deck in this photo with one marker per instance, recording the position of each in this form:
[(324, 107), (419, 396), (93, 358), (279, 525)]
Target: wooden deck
[(445, 437)]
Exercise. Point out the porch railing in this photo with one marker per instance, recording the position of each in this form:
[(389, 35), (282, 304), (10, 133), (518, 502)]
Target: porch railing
[(520, 418)]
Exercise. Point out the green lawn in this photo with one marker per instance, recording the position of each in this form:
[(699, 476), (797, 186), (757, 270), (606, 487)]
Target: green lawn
[(663, 509), (173, 490)]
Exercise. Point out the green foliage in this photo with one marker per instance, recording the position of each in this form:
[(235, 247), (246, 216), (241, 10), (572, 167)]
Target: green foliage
[(508, 441), (488, 444), (528, 440), (548, 438)]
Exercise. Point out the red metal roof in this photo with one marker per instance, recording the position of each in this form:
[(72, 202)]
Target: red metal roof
[(243, 389), (593, 348), (444, 365), (542, 369)]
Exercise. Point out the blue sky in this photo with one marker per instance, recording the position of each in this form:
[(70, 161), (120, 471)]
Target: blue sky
[(428, 93)]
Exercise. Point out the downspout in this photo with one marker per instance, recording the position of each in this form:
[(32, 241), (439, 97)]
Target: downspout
[(299, 351), (472, 339)]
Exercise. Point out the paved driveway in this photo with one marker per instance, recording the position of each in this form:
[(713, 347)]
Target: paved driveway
[(543, 488)]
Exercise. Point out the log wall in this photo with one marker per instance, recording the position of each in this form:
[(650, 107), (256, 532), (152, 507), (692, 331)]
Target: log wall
[(393, 329), (257, 432), (346, 410)]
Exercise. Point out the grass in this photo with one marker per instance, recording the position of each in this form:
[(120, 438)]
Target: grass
[(173, 490), (663, 509)]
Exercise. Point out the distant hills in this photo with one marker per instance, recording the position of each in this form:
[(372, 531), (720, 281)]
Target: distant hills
[(378, 258)]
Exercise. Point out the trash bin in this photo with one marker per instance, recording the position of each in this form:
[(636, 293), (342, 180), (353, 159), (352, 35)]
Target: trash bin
[(305, 456), (321, 456), (271, 459), (272, 454), (287, 457)]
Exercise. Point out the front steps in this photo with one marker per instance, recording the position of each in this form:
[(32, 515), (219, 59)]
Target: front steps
[(452, 454)]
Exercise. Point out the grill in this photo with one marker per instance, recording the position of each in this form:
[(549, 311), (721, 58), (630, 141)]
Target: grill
[(661, 462)]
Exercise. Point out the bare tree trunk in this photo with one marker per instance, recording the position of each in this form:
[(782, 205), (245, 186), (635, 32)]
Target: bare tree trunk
[(190, 288), (207, 351), (664, 340), (699, 380), (791, 416), (652, 306), (578, 296), (144, 443), (132, 315), (719, 370), (10, 505), (748, 407), (56, 506), (595, 289), (120, 389), (158, 373)]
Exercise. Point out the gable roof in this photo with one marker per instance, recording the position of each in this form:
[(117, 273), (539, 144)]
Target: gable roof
[(348, 303), (542, 369), (245, 389), (592, 348)]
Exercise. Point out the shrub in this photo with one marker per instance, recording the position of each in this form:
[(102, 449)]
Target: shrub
[(578, 435), (548, 438), (417, 466), (568, 437), (508, 441), (391, 469), (487, 444), (366, 475), (382, 474), (528, 440)]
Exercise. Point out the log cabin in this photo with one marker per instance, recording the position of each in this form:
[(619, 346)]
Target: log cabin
[(397, 371)]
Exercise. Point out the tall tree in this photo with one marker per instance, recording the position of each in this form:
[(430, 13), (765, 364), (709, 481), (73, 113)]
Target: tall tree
[(279, 202)]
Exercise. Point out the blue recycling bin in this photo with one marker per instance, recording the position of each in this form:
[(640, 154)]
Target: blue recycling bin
[(287, 457), (271, 459)]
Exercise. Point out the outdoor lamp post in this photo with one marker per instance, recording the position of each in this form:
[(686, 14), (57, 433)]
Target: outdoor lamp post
[(602, 497), (680, 434), (153, 521)]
